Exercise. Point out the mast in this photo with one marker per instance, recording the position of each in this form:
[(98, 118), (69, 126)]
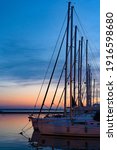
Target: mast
[(90, 102), (88, 79), (71, 46), (79, 73), (97, 96), (75, 39), (87, 90), (89, 86), (93, 91), (66, 61)]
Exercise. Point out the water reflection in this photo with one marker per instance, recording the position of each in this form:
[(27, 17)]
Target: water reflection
[(10, 139), (64, 143), (10, 126)]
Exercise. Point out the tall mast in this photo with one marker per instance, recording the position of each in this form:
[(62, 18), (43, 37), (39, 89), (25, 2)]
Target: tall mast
[(97, 96), (75, 39), (93, 91), (87, 90), (89, 86), (71, 46), (66, 61), (90, 102), (79, 72)]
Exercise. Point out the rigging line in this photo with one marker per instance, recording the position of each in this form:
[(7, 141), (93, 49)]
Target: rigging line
[(58, 83), (56, 89), (94, 46), (84, 33), (52, 74), (95, 74), (93, 56), (92, 53), (60, 99), (25, 126), (46, 106), (95, 66), (49, 63), (25, 136), (63, 89), (28, 128), (83, 92), (60, 78), (24, 131), (94, 63), (80, 24), (83, 29), (82, 87)]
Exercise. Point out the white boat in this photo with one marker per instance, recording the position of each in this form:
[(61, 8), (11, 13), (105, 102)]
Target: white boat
[(81, 126), (70, 124)]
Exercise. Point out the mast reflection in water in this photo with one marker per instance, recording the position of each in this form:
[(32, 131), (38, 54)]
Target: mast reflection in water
[(58, 142)]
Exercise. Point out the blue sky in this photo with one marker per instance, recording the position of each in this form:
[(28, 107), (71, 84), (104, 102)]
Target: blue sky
[(28, 33)]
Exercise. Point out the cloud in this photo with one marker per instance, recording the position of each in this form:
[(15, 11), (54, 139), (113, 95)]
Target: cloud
[(21, 62)]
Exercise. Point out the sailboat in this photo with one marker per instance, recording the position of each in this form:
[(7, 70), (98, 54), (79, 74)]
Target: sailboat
[(77, 120)]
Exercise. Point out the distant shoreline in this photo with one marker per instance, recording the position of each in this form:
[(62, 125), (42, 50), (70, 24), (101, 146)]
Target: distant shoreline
[(27, 111)]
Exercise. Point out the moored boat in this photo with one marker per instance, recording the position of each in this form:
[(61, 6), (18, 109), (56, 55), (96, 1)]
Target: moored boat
[(72, 122)]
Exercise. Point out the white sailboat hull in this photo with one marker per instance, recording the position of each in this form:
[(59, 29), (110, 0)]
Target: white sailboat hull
[(64, 127)]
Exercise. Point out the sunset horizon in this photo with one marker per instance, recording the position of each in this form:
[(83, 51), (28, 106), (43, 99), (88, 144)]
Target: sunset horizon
[(26, 46)]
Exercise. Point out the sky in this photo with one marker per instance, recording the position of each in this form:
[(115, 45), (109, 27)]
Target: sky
[(28, 33)]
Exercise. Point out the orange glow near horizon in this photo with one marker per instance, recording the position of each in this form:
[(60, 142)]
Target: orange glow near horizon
[(25, 96)]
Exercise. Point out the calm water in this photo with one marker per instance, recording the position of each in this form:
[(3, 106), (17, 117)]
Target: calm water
[(10, 139)]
